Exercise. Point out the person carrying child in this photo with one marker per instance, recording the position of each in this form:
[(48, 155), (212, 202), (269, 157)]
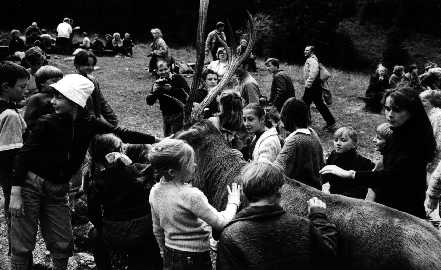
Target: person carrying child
[(13, 81), (345, 155), (180, 211), (51, 154)]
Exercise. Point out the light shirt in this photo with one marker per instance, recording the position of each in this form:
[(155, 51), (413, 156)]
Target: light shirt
[(64, 30)]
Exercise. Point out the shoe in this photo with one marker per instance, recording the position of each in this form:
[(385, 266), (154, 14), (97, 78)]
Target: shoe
[(330, 128)]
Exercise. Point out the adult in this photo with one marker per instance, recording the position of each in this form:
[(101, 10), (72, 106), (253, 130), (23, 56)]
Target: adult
[(411, 79), (215, 39), (16, 44), (282, 87), (248, 86), (314, 88), (378, 85), (172, 92), (117, 43), (64, 41), (252, 240), (250, 61), (32, 33), (210, 80), (396, 77), (301, 156), (431, 79), (402, 180), (220, 66), (159, 49)]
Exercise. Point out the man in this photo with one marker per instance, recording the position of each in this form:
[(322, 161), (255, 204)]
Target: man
[(314, 89), (32, 33), (282, 87), (248, 86), (64, 31), (215, 39), (172, 92)]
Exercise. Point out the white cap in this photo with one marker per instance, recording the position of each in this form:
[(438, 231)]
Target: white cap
[(75, 87)]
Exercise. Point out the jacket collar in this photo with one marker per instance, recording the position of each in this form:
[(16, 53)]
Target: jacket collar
[(258, 212)]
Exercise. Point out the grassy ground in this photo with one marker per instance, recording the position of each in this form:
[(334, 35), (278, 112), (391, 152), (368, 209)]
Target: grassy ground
[(125, 84)]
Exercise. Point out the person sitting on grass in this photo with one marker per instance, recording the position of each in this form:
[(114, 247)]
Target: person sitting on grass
[(128, 45), (16, 44), (33, 60), (51, 154), (345, 155), (39, 103), (264, 236), (182, 212), (117, 44)]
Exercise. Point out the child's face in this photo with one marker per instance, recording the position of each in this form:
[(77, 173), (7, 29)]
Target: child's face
[(86, 69), (380, 142), (251, 122), (61, 104), (343, 143), (45, 87), (211, 80), (16, 92)]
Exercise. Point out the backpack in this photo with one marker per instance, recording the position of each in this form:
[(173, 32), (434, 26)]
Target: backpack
[(324, 73)]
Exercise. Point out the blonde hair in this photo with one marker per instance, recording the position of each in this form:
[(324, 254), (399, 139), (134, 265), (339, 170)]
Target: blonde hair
[(433, 96), (349, 131), (171, 154), (116, 34), (156, 30)]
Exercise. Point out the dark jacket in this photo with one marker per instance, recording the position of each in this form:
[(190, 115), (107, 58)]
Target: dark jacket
[(349, 160), (171, 101), (402, 182), (16, 45), (377, 87), (266, 237), (282, 88), (97, 105), (56, 146), (38, 105)]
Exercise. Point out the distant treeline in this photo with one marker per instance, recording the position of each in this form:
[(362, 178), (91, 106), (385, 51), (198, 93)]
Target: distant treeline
[(284, 26)]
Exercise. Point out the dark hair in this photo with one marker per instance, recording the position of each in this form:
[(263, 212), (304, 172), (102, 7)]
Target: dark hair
[(295, 114), (103, 144), (261, 180), (273, 61), (231, 116), (208, 71), (219, 24), (311, 48), (407, 99), (257, 109), (45, 73), (271, 114), (82, 58), (11, 72), (411, 67)]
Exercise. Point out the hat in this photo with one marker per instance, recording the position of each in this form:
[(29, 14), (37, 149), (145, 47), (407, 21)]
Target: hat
[(75, 87)]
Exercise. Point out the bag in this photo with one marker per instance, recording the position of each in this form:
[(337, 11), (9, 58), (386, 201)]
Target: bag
[(324, 73), (327, 95)]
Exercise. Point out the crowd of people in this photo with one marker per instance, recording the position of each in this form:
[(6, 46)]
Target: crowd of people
[(139, 193)]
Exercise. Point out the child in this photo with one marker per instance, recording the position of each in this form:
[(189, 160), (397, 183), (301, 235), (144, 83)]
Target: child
[(40, 103), (265, 143), (51, 154), (128, 45), (181, 212), (117, 202), (34, 59), (345, 156), (13, 81)]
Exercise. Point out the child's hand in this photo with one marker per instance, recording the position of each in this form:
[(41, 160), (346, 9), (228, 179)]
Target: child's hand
[(430, 205), (337, 171), (326, 187), (234, 194), (315, 202)]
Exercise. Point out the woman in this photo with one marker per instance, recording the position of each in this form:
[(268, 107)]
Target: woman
[(302, 154), (378, 85), (159, 49), (411, 147), (117, 43), (220, 66), (265, 142), (210, 80)]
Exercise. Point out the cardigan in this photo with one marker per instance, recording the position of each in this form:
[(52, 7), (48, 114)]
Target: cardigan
[(267, 146)]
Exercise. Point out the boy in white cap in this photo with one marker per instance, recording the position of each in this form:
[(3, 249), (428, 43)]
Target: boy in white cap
[(51, 154)]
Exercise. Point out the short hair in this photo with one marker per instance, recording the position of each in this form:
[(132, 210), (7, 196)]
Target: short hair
[(295, 114), (11, 72), (349, 131), (156, 30), (66, 19), (398, 70), (220, 24), (271, 114), (103, 144), (231, 114), (256, 108), (45, 73), (261, 179), (15, 31), (82, 58), (34, 56), (162, 60), (116, 34), (273, 61), (433, 96), (171, 154), (208, 71), (311, 48), (385, 131)]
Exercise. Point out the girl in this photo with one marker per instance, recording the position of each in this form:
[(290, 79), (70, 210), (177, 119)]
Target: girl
[(181, 212), (265, 142), (220, 66), (378, 85), (412, 146)]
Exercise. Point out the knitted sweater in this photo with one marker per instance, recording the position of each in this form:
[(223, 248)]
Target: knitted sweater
[(301, 157), (267, 146), (180, 214)]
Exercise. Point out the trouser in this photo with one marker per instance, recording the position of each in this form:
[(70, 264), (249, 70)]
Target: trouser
[(46, 203), (172, 123), (64, 45), (182, 260), (314, 94)]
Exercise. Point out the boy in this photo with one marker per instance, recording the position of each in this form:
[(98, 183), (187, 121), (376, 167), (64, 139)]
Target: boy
[(51, 154), (345, 156), (40, 103), (34, 59), (13, 82)]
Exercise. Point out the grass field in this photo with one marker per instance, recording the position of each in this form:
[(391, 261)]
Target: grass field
[(125, 84)]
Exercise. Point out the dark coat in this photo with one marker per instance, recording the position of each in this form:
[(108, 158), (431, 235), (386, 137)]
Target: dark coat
[(402, 182), (349, 160), (266, 237), (98, 106), (16, 45), (282, 88)]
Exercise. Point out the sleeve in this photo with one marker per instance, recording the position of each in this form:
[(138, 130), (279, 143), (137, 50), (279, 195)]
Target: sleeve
[(285, 158), (434, 187), (226, 255), (106, 111), (158, 231), (269, 149), (31, 110), (314, 69), (208, 42), (324, 234), (11, 131), (252, 91), (202, 209)]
